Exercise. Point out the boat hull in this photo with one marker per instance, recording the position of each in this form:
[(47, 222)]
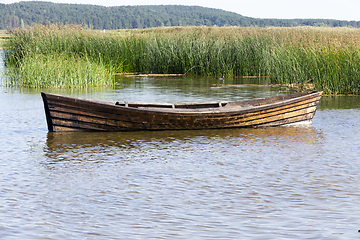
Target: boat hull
[(74, 114)]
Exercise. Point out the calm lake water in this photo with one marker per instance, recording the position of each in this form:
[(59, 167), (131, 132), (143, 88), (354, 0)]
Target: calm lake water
[(270, 183)]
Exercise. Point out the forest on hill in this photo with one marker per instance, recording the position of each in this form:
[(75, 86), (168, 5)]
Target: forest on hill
[(21, 14)]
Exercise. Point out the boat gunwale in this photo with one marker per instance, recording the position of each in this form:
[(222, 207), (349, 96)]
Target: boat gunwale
[(230, 107)]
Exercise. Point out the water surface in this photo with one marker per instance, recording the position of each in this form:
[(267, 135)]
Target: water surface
[(270, 183)]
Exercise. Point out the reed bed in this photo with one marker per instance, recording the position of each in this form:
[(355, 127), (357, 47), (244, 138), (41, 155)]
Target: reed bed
[(53, 56), (327, 57), (3, 36), (49, 71)]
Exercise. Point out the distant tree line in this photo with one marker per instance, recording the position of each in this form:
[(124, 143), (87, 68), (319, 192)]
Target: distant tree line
[(127, 17)]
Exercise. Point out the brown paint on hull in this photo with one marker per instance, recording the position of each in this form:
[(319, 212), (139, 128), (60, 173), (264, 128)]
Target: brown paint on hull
[(75, 114)]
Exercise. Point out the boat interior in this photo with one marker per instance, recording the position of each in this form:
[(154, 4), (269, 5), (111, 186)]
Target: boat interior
[(173, 105)]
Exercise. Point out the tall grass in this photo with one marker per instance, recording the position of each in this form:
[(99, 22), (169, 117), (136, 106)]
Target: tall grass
[(54, 56), (45, 71), (206, 51), (192, 50), (3, 36), (327, 57)]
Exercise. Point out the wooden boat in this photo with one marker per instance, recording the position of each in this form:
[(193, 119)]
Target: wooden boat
[(75, 114)]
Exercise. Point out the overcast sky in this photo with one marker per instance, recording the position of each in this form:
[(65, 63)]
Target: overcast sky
[(288, 9)]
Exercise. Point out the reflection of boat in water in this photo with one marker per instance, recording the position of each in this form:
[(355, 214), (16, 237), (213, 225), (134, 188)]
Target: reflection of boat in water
[(139, 146), (74, 114), (103, 141)]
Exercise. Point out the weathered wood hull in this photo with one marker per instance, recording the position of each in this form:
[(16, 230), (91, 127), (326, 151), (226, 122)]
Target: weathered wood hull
[(75, 114)]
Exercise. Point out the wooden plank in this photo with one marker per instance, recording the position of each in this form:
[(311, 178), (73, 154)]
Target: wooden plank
[(68, 129), (64, 113), (111, 121), (274, 118), (110, 108), (273, 112), (82, 125)]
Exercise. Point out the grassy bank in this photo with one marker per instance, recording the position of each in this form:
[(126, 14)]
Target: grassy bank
[(327, 57)]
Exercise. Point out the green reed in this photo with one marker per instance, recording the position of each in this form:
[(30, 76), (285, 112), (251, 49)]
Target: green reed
[(53, 56), (204, 51), (327, 57), (201, 50), (61, 71)]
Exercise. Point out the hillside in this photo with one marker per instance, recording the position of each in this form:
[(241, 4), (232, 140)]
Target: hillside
[(127, 17)]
